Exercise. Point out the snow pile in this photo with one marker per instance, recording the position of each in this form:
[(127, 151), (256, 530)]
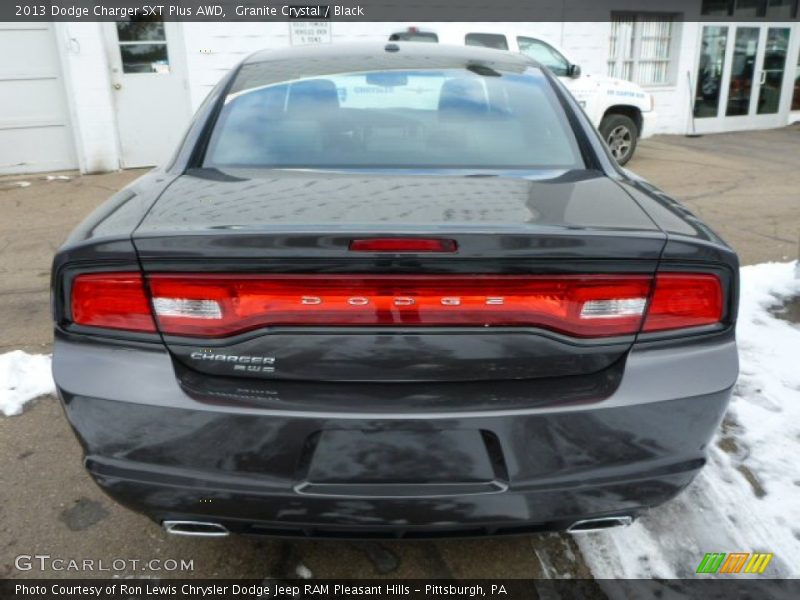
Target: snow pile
[(747, 499), (303, 572), (23, 377)]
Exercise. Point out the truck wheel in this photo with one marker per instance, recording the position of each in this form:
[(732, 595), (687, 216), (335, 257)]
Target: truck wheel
[(621, 135)]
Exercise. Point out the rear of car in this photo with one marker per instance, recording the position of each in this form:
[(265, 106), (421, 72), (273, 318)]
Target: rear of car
[(406, 294)]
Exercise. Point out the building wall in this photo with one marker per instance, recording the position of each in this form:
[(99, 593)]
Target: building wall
[(673, 102), (35, 126), (211, 49), (86, 71)]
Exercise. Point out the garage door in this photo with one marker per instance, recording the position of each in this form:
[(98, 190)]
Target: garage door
[(35, 133)]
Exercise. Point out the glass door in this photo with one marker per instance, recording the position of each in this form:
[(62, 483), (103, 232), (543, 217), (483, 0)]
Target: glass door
[(741, 78), (710, 70), (773, 70), (742, 71)]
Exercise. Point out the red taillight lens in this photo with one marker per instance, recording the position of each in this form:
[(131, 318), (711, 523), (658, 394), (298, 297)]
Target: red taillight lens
[(220, 305), (111, 300), (403, 245), (684, 300)]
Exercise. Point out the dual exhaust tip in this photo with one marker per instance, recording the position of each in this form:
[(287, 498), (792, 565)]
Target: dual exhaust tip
[(599, 524), (195, 528), (208, 529)]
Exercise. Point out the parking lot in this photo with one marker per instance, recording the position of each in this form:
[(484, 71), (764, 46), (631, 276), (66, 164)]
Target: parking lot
[(745, 185)]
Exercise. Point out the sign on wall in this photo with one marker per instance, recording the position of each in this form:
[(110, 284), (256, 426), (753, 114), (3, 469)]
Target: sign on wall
[(306, 33)]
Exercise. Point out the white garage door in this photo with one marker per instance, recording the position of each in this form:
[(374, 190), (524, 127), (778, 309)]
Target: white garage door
[(35, 133)]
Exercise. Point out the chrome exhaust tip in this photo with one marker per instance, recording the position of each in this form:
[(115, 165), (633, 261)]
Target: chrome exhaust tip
[(587, 525), (195, 528)]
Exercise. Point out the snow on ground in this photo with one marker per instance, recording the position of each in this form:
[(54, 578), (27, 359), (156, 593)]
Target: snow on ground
[(303, 572), (23, 377), (747, 498)]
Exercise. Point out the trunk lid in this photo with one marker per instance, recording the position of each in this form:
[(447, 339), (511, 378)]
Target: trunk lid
[(302, 222)]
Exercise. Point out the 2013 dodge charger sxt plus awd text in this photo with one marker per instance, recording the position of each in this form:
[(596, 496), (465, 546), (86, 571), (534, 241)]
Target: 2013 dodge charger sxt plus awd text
[(395, 290)]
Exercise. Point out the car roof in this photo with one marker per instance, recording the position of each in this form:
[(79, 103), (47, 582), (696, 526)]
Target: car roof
[(310, 61)]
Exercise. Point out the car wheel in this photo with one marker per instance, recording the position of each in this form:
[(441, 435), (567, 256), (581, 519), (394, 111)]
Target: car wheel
[(621, 135)]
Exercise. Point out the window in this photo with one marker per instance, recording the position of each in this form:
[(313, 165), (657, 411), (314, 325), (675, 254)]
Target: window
[(749, 9), (545, 55), (709, 71), (487, 40), (641, 48), (743, 70), (773, 68), (143, 46), (414, 35), (717, 8), (781, 9), (476, 118)]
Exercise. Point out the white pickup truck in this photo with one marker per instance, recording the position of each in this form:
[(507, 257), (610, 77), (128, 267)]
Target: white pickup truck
[(620, 110)]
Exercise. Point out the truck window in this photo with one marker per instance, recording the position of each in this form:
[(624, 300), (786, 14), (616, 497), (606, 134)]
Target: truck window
[(414, 36), (487, 40), (544, 54)]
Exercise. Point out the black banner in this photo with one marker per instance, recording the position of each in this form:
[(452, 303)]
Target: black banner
[(365, 10), (733, 587)]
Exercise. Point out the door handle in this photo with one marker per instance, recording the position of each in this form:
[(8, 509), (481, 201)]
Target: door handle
[(117, 86), (763, 78)]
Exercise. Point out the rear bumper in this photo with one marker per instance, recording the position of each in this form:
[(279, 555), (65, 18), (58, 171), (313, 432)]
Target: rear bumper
[(156, 449)]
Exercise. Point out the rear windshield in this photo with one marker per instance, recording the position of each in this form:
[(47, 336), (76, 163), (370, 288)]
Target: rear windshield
[(473, 118)]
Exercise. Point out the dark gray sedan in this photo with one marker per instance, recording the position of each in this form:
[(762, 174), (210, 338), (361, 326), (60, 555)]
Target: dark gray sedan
[(393, 290)]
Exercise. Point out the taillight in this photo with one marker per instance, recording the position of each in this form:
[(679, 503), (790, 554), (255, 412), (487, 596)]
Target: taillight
[(578, 305), (403, 245), (112, 301), (218, 305), (683, 300)]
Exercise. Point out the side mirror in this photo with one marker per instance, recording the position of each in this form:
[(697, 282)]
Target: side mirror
[(574, 71)]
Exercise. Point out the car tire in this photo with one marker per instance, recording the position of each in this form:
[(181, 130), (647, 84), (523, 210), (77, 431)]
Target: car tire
[(620, 134)]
